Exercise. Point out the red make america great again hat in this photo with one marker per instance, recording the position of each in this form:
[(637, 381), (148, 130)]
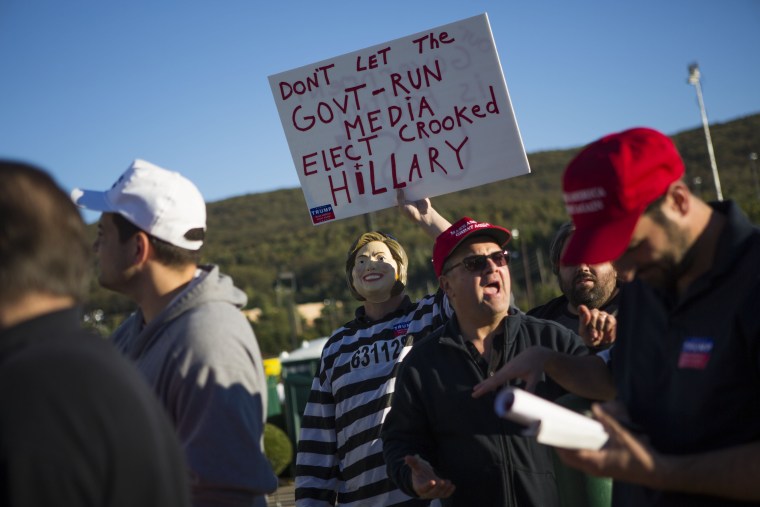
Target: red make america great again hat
[(465, 227), (607, 187)]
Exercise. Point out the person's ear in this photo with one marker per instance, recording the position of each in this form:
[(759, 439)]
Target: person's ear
[(445, 285), (142, 248), (679, 197)]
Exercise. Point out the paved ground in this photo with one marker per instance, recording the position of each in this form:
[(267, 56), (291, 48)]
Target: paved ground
[(284, 496)]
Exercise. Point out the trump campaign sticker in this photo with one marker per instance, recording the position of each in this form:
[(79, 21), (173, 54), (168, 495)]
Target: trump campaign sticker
[(695, 353)]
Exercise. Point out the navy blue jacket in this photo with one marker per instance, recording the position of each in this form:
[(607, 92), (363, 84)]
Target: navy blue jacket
[(688, 368)]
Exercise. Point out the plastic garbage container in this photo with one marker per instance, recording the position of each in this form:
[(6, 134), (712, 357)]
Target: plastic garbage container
[(576, 488), (272, 370), (274, 407), (298, 370)]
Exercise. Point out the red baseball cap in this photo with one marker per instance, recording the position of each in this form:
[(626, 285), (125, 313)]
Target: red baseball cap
[(607, 187), (464, 228)]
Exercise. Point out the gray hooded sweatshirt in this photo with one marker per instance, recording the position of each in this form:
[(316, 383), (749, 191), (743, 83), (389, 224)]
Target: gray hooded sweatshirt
[(202, 359)]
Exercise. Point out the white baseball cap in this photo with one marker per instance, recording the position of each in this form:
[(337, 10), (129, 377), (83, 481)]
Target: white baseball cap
[(162, 203)]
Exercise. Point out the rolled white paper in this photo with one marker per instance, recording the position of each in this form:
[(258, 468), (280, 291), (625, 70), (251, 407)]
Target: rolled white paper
[(550, 423)]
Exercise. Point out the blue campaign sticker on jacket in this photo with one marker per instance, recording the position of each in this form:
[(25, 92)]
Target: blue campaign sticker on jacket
[(400, 328), (695, 353)]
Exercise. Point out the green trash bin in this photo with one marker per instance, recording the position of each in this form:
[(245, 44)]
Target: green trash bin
[(576, 488), (298, 370), (274, 408)]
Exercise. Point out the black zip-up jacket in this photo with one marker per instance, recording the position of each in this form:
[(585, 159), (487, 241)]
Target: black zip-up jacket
[(433, 415)]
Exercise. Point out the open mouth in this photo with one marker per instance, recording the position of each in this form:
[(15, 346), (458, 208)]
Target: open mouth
[(492, 288), (372, 277), (585, 280)]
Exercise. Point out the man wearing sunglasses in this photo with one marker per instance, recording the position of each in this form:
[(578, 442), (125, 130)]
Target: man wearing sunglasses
[(440, 442)]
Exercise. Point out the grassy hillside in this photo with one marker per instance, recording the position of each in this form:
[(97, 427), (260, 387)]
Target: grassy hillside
[(256, 238)]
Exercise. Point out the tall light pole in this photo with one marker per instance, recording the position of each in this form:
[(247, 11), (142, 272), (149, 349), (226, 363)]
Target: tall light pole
[(286, 284), (526, 266), (694, 80)]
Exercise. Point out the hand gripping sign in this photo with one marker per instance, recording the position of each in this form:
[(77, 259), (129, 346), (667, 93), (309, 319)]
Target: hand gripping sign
[(429, 113)]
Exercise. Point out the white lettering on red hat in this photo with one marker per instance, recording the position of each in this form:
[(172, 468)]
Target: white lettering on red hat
[(463, 228), (585, 207), (469, 226), (585, 194), (587, 200)]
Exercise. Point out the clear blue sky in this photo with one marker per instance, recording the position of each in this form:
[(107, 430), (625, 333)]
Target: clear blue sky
[(87, 86)]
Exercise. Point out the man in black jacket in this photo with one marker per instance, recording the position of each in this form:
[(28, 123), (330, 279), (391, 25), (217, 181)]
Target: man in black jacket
[(78, 425), (440, 442)]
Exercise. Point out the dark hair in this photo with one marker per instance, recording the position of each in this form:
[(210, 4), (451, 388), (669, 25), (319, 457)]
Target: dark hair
[(654, 208), (654, 211), (166, 253), (397, 252), (558, 243), (43, 241)]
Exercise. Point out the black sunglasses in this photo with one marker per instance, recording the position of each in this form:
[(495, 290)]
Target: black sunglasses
[(477, 263)]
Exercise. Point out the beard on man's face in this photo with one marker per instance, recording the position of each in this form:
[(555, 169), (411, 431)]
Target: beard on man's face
[(673, 260), (594, 296)]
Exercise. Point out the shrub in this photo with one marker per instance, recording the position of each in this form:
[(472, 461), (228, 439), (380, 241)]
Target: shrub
[(277, 447)]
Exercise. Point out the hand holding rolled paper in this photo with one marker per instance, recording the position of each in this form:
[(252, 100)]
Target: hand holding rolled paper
[(550, 423)]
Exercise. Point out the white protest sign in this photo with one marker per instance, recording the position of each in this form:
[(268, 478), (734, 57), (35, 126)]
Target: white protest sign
[(429, 113)]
